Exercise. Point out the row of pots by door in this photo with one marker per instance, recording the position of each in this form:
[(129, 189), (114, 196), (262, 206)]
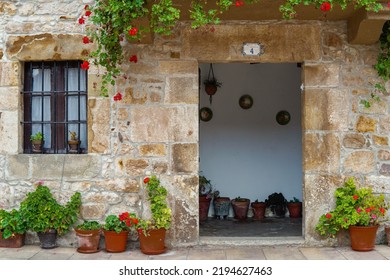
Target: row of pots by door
[(240, 208)]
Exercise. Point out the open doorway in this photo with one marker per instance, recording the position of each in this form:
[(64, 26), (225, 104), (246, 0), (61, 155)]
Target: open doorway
[(244, 151)]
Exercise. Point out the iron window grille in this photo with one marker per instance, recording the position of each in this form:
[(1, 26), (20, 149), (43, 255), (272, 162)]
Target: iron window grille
[(55, 103)]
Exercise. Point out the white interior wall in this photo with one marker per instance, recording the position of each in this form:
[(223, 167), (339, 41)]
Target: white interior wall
[(247, 153)]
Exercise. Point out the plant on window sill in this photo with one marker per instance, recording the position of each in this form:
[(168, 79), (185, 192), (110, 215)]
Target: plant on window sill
[(114, 21)]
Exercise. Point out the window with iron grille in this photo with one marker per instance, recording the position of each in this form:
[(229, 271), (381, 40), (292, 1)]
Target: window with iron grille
[(55, 104)]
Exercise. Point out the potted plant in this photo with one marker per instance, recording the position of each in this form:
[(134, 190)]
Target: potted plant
[(37, 142), (47, 217), (294, 207), (240, 208), (116, 231), (152, 232), (206, 194), (73, 142), (357, 210), (211, 85), (88, 236), (277, 204), (12, 229), (258, 208), (221, 206)]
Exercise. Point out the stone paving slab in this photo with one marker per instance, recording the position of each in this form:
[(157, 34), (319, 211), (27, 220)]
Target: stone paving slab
[(283, 253), (322, 254), (245, 253), (356, 255)]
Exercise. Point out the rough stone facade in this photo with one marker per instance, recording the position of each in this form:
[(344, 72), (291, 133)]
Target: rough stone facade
[(154, 129)]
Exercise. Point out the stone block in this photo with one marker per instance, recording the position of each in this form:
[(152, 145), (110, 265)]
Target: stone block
[(46, 46), (92, 211), (322, 75), (160, 167), (178, 67), (9, 127), (48, 167), (2, 167), (134, 96), (185, 158), (125, 185), (354, 141), (99, 125), (103, 197), (379, 184), (385, 169), (384, 155), (17, 167), (82, 166), (184, 124), (384, 125), (301, 40), (182, 90), (9, 74), (135, 167), (5, 196), (184, 223), (321, 152), (359, 162), (365, 124), (326, 109), (9, 98), (150, 124), (152, 150), (380, 140)]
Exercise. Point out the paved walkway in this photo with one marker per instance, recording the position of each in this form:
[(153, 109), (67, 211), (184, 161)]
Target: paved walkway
[(285, 252)]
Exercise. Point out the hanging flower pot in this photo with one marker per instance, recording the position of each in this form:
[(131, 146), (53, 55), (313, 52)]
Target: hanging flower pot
[(211, 84)]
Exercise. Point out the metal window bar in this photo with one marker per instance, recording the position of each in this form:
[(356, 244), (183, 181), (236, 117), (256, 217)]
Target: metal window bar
[(53, 93)]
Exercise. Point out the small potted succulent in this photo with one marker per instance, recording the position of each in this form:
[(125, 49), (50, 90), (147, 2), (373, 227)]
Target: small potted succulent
[(12, 229), (88, 235), (73, 142), (37, 142)]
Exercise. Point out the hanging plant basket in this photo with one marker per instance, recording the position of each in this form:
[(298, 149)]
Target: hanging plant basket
[(211, 84)]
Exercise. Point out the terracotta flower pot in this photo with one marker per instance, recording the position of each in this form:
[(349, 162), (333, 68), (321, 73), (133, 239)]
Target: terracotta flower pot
[(88, 240), (295, 209), (153, 243), (363, 237), (16, 241), (240, 208), (204, 205), (115, 242), (387, 231), (258, 210)]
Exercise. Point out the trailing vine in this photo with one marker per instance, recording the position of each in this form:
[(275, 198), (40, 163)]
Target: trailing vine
[(110, 22)]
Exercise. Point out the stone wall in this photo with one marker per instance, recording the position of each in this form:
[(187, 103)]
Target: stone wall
[(154, 129)]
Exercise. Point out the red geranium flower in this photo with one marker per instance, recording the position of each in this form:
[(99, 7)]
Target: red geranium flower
[(359, 210), (139, 230), (85, 65), (118, 97), (88, 13), (328, 215), (81, 20), (86, 7), (86, 40), (133, 31), (382, 210), (135, 221), (239, 3), (146, 180), (133, 58), (355, 197), (325, 6), (368, 210)]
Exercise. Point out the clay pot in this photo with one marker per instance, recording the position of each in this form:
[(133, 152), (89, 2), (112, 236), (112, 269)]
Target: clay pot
[(387, 231), (37, 146), (204, 205), (211, 89), (88, 240), (240, 208), (74, 146), (115, 242), (363, 237), (16, 241), (258, 210), (295, 209), (153, 243)]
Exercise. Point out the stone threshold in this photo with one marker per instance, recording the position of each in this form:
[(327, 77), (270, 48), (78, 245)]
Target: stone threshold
[(255, 241)]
